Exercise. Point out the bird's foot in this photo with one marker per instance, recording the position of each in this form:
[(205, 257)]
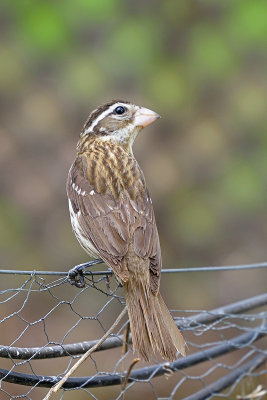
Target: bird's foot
[(76, 274)]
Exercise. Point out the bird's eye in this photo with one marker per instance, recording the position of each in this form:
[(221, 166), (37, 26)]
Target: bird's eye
[(119, 110)]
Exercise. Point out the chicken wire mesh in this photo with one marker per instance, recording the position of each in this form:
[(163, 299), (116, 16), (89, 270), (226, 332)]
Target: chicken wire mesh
[(46, 325)]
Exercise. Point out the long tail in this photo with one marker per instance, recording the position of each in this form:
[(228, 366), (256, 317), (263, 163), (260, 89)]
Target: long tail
[(153, 329)]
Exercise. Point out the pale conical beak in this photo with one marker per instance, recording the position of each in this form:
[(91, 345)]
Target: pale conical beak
[(144, 117)]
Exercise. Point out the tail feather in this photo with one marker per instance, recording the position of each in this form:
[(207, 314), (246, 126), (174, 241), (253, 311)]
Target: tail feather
[(153, 329)]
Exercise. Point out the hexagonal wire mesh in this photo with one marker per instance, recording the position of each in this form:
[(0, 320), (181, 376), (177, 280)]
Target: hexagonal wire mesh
[(45, 328)]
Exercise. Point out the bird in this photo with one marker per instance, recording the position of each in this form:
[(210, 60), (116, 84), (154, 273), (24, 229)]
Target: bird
[(113, 219)]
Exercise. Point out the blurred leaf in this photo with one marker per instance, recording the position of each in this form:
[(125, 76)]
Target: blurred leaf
[(248, 22), (43, 28), (243, 188), (133, 45), (168, 86), (196, 220), (248, 103), (12, 226), (85, 76), (210, 55), (12, 71), (176, 11), (92, 10)]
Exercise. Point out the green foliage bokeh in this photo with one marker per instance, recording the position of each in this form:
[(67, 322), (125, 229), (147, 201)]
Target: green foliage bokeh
[(202, 66)]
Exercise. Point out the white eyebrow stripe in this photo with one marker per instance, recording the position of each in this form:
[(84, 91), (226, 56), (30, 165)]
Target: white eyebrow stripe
[(100, 117)]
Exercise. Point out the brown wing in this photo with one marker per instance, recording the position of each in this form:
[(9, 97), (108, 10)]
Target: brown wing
[(111, 223)]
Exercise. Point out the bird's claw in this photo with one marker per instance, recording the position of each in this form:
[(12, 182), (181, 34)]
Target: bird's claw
[(76, 276)]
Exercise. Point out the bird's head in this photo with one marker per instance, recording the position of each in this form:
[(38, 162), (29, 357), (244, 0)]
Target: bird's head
[(118, 121)]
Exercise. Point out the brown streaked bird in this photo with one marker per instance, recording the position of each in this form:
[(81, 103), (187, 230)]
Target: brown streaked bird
[(113, 219)]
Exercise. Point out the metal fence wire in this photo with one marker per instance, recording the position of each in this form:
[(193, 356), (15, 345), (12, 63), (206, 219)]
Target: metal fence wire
[(46, 325)]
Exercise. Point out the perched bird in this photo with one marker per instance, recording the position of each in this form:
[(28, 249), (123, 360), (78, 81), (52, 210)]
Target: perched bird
[(113, 219)]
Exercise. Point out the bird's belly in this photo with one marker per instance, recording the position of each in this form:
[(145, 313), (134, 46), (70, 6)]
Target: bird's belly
[(80, 235)]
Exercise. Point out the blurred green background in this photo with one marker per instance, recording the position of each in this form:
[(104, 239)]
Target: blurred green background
[(202, 66)]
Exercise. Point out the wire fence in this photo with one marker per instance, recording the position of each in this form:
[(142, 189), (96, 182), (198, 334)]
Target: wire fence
[(46, 325)]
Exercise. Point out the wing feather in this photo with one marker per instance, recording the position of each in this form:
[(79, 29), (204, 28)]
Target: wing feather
[(111, 224)]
